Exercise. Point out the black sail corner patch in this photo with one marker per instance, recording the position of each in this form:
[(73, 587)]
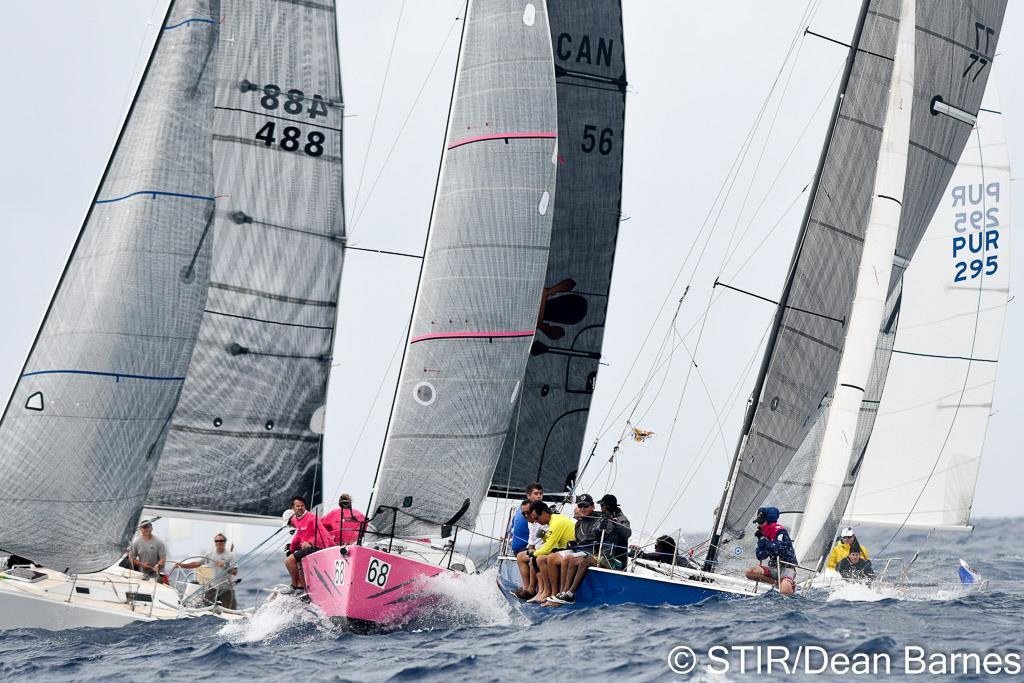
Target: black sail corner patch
[(35, 402)]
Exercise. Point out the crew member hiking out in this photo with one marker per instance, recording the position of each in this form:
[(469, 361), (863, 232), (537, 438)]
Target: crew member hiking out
[(775, 551)]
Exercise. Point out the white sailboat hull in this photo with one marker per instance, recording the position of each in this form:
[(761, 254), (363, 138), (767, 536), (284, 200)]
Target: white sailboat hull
[(108, 599)]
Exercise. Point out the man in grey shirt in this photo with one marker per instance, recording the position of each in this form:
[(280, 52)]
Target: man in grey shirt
[(220, 584), (147, 553)]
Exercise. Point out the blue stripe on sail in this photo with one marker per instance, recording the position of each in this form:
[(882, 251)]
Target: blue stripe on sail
[(154, 194), (116, 375), (198, 20)]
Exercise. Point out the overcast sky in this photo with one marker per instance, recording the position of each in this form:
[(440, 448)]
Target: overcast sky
[(698, 74)]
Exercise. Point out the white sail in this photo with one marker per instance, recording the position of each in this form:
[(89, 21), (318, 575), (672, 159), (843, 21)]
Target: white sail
[(922, 462), (873, 277)]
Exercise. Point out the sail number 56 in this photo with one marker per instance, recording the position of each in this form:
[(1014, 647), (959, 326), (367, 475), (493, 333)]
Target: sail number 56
[(592, 140), (377, 572)]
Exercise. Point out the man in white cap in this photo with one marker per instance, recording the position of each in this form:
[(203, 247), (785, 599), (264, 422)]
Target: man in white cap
[(842, 549), (147, 553)]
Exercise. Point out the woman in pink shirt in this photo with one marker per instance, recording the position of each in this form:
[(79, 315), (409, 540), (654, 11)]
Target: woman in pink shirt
[(345, 522)]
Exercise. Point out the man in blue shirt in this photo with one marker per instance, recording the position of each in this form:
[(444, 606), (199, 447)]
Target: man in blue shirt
[(519, 532)]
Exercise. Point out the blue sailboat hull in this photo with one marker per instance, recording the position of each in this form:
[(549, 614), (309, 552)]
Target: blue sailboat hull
[(608, 587)]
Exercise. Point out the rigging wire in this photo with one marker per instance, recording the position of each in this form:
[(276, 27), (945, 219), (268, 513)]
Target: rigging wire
[(380, 100), (412, 108)]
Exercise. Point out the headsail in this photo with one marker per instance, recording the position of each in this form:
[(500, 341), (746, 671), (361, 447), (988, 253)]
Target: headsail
[(86, 424), (482, 277), (955, 47), (921, 464), (547, 428), (247, 432)]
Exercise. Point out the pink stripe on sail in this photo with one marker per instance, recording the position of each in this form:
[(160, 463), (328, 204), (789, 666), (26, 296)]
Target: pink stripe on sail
[(501, 136), (470, 335)]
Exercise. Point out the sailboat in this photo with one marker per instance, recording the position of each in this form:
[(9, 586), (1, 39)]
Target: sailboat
[(472, 325), (183, 361), (906, 105)]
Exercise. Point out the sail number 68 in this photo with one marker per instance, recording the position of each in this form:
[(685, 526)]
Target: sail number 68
[(377, 572)]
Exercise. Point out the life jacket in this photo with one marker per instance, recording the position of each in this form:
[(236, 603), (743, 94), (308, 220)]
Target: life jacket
[(771, 530)]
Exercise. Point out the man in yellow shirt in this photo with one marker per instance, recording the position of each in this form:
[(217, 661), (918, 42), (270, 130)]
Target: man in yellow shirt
[(842, 549), (561, 530)]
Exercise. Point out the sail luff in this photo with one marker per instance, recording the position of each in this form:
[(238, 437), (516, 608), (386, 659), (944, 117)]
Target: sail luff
[(482, 277), (875, 270), (426, 249)]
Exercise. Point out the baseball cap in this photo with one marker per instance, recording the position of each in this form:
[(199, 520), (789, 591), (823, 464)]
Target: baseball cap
[(584, 499)]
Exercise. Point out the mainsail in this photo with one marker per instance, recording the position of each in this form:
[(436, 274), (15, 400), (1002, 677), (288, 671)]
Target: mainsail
[(85, 426), (247, 432), (483, 274), (547, 427), (921, 464), (955, 45)]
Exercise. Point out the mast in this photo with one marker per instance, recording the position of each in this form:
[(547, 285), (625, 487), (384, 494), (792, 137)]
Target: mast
[(762, 373), (873, 278)]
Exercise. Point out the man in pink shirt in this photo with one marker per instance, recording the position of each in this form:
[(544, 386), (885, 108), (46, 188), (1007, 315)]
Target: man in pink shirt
[(345, 522), (310, 536)]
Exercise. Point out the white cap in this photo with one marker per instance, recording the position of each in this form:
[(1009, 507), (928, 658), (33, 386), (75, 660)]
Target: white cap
[(848, 531)]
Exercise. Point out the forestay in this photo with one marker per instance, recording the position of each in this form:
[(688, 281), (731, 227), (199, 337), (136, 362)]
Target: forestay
[(85, 426), (921, 465), (482, 277), (247, 433), (547, 427)]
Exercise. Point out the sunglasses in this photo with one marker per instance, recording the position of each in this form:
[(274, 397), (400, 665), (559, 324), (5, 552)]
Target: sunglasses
[(220, 540), (584, 505)]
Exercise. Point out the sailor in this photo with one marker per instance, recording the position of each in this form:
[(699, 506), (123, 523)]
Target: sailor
[(310, 536), (615, 525), (221, 586), (842, 548), (344, 522), (147, 553), (605, 543), (581, 552), (664, 551), (855, 566), (775, 551), (527, 563), (561, 531)]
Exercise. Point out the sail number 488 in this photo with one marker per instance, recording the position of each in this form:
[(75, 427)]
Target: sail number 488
[(291, 139), (377, 572)]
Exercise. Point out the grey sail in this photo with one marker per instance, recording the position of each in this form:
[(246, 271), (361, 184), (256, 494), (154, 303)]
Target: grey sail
[(482, 277), (244, 438), (547, 427), (956, 44), (955, 47), (85, 426)]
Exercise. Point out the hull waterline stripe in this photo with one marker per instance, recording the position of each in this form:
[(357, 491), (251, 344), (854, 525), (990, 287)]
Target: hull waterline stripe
[(501, 136), (116, 375), (470, 335), (154, 194)]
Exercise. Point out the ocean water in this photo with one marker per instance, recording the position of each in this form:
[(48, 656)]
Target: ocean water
[(482, 637)]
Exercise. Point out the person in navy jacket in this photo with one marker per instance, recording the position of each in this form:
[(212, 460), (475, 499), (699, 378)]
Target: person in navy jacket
[(775, 551)]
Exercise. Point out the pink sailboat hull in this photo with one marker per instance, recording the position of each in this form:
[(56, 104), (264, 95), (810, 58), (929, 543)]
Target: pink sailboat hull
[(369, 587)]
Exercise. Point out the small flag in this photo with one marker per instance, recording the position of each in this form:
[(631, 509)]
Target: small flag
[(641, 435)]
